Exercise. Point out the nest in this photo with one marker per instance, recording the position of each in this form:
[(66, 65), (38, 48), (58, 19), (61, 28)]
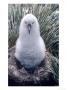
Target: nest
[(43, 75)]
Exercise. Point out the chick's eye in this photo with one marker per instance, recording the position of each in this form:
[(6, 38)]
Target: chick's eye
[(32, 22), (25, 22)]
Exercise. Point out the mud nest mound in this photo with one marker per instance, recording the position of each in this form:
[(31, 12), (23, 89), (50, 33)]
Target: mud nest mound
[(43, 75)]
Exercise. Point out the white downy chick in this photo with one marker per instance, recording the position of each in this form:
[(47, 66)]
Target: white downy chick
[(30, 47)]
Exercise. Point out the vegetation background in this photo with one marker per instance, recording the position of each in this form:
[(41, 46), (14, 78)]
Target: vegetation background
[(48, 17)]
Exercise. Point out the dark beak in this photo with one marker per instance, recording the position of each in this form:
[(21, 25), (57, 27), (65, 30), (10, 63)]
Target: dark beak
[(29, 28)]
